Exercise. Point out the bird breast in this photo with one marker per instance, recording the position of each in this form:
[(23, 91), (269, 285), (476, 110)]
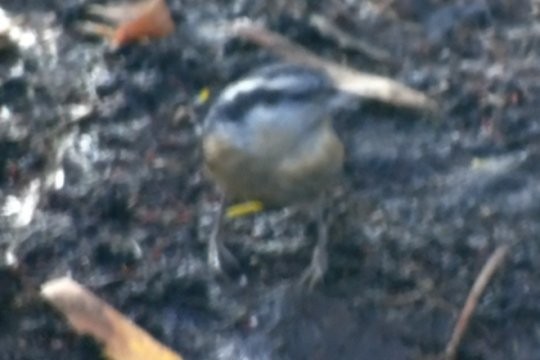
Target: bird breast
[(271, 167)]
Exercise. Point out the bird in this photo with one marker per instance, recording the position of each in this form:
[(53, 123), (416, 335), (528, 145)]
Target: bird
[(269, 137)]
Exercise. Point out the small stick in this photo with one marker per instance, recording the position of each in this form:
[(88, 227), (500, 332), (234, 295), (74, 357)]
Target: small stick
[(493, 263), (346, 79), (347, 41)]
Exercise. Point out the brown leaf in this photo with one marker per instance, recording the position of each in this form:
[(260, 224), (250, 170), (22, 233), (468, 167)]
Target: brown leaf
[(133, 22), (122, 339), (153, 21)]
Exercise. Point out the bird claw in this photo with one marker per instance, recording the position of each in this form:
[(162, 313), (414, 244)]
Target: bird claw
[(316, 270), (218, 254), (219, 257)]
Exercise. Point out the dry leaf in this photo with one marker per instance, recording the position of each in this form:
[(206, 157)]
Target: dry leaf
[(134, 22), (122, 339)]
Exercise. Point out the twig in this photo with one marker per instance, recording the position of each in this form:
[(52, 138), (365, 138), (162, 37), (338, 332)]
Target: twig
[(346, 41), (346, 79), (493, 263)]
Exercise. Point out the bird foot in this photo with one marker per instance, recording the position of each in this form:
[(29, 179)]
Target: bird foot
[(316, 270), (220, 258)]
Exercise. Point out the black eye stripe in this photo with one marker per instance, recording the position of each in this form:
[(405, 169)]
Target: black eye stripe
[(244, 102), (277, 83)]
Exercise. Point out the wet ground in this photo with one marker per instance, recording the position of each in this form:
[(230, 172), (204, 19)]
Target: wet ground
[(425, 199)]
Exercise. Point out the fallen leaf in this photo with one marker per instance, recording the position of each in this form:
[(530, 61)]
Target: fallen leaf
[(132, 22), (122, 339)]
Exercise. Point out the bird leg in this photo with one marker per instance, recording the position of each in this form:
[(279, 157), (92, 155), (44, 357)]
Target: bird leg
[(217, 252), (316, 270)]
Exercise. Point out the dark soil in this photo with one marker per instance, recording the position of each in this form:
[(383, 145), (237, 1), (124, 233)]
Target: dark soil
[(425, 200)]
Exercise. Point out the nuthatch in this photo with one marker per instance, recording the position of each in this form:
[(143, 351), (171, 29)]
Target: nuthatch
[(269, 137)]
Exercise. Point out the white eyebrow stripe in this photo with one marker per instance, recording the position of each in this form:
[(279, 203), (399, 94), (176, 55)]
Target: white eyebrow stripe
[(242, 86), (280, 82)]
